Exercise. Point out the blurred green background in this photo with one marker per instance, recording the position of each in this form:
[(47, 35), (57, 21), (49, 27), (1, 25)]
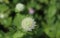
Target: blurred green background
[(46, 14)]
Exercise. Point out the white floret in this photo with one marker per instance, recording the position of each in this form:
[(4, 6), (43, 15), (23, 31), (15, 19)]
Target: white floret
[(28, 24), (20, 7)]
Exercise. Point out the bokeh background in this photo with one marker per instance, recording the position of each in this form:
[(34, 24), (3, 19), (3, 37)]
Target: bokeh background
[(46, 14)]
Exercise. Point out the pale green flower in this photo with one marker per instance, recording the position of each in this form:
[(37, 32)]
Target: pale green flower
[(19, 7), (28, 24)]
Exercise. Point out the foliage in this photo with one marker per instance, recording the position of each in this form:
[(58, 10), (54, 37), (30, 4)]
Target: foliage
[(46, 15)]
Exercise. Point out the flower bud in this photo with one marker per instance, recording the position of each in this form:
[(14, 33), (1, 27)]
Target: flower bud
[(31, 11)]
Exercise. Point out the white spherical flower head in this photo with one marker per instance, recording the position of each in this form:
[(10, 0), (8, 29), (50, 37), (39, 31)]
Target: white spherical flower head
[(28, 24), (20, 7), (2, 16)]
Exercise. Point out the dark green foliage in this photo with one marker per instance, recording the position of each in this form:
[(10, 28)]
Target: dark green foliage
[(46, 14)]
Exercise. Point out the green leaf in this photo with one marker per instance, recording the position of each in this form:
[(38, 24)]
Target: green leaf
[(53, 31), (7, 22), (18, 19), (3, 8), (18, 34), (51, 11)]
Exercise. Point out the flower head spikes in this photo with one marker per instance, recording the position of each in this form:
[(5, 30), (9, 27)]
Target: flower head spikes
[(28, 24)]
